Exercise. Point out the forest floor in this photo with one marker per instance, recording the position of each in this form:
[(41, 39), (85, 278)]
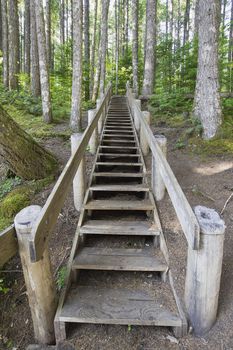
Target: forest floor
[(206, 180)]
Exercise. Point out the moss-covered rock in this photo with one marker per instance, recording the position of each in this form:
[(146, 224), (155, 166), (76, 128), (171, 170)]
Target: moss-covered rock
[(14, 202)]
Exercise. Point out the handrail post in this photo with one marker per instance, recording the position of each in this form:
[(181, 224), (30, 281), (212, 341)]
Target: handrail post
[(204, 267), (94, 138), (136, 119), (157, 183), (41, 289), (100, 122), (79, 183), (143, 137)]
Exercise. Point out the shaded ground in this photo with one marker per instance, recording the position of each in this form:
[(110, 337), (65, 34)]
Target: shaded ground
[(206, 182)]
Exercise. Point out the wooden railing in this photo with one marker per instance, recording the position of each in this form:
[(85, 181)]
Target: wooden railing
[(183, 210), (8, 244)]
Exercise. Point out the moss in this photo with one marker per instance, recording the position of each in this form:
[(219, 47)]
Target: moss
[(5, 222), (39, 185), (214, 147), (15, 201)]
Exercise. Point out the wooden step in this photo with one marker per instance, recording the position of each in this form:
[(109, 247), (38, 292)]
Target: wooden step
[(119, 131), (120, 188), (126, 127), (89, 304), (118, 141), (118, 259), (105, 134), (102, 204), (119, 164), (116, 155), (118, 147), (123, 227), (111, 174)]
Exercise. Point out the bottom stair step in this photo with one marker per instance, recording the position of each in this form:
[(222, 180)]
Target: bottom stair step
[(120, 259), (88, 304)]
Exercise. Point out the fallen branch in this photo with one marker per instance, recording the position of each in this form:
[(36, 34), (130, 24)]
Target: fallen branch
[(227, 201)]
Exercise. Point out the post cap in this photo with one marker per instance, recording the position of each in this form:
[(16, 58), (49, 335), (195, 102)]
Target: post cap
[(26, 218), (209, 221)]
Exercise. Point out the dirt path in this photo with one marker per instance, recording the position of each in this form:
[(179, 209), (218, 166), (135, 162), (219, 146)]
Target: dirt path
[(206, 182)]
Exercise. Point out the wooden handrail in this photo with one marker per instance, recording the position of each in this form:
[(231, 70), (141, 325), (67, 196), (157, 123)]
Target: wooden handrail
[(49, 214), (180, 203), (8, 244)]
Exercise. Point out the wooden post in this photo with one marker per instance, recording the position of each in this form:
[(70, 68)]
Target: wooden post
[(157, 183), (136, 118), (204, 267), (100, 122), (94, 138), (143, 136), (79, 183), (41, 289)]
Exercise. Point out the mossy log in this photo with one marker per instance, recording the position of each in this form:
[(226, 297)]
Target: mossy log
[(24, 156)]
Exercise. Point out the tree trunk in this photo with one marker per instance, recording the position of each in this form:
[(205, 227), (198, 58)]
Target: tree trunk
[(44, 71), (48, 32), (5, 43), (86, 47), (149, 67), (186, 22), (76, 108), (230, 50), (116, 44), (25, 157), (97, 71), (207, 98), (135, 45), (14, 51), (35, 72), (27, 37), (103, 43), (127, 28), (196, 17), (93, 48), (1, 36), (224, 4), (62, 22)]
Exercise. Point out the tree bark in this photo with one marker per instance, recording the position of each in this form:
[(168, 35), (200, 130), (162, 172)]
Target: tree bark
[(103, 43), (76, 108), (207, 98), (34, 57), (230, 49), (116, 44), (93, 48), (149, 67), (27, 37), (48, 32), (86, 47), (1, 26), (14, 51), (5, 46), (186, 22), (25, 157), (97, 71), (196, 17), (44, 71), (135, 45)]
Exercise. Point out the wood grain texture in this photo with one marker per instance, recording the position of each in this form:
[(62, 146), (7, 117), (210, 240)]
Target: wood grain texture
[(118, 259), (99, 204), (116, 306), (120, 188), (8, 244)]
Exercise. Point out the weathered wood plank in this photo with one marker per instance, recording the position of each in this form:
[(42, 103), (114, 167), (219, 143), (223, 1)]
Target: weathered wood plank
[(120, 188), (116, 306), (118, 259), (99, 204), (107, 174), (55, 201), (8, 244), (182, 207), (136, 228)]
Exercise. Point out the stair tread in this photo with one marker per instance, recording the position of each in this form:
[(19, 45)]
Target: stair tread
[(119, 259), (111, 174), (102, 204), (118, 163), (120, 188), (88, 304), (123, 227)]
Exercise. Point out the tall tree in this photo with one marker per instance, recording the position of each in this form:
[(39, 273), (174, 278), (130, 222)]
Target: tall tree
[(5, 43), (27, 37), (230, 50), (76, 108), (34, 56), (196, 17), (103, 43), (1, 36), (135, 45), (43, 63), (149, 66), (207, 97), (116, 44), (86, 47), (93, 48), (14, 52), (48, 32), (186, 22)]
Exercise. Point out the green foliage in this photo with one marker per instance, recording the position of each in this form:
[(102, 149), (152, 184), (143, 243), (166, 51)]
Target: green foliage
[(61, 276), (8, 184), (3, 288), (14, 201)]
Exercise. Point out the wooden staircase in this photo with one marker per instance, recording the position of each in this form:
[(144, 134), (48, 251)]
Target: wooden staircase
[(118, 272)]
